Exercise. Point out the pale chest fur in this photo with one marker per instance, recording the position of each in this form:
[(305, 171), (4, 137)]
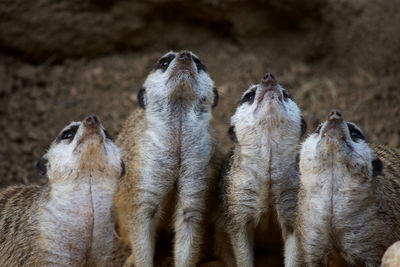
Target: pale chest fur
[(267, 162), (176, 137), (76, 217), (333, 198)]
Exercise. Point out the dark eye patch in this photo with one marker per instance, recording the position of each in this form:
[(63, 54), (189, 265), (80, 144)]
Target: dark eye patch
[(68, 134), (248, 97), (164, 62), (199, 65), (355, 134), (286, 95)]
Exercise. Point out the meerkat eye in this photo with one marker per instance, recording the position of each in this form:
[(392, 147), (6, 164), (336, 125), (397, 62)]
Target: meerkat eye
[(286, 95), (249, 97), (69, 133), (317, 131), (199, 65), (164, 62), (355, 133)]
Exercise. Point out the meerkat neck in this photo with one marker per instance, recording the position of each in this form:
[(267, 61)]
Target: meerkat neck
[(267, 143), (75, 213), (173, 115), (268, 152)]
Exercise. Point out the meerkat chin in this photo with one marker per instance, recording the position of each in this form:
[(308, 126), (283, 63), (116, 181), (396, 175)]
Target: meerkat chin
[(172, 160), (262, 177), (349, 197), (68, 221)]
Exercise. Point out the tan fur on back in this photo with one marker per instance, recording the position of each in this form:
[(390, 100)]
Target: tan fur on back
[(132, 131), (19, 206)]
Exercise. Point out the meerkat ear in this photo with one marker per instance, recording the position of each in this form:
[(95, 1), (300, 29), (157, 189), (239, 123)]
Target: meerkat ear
[(297, 166), (216, 97), (303, 126), (377, 167), (232, 133), (41, 166), (141, 97), (122, 168)]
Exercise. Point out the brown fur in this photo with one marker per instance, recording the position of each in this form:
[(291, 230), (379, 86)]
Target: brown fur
[(19, 207)]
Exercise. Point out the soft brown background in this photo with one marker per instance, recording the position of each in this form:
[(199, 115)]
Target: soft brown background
[(62, 60)]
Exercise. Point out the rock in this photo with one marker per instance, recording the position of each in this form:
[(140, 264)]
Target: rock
[(391, 258)]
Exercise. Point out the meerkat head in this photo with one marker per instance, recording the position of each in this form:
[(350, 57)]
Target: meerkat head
[(343, 142), (82, 148), (178, 77), (267, 107)]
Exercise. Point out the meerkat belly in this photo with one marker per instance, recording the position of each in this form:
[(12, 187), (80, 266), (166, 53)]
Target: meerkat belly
[(184, 145), (73, 220), (336, 204), (269, 172)]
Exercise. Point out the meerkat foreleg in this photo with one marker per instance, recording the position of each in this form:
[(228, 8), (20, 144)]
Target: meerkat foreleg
[(223, 245), (145, 213), (292, 253), (142, 237), (188, 221), (242, 245), (314, 248), (188, 235)]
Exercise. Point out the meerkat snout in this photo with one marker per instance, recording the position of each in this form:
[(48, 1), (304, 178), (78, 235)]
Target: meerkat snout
[(82, 146), (178, 76), (91, 120), (335, 114)]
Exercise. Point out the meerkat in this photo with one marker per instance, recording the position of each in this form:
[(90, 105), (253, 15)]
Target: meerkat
[(261, 181), (172, 160), (349, 200), (68, 221), (391, 258)]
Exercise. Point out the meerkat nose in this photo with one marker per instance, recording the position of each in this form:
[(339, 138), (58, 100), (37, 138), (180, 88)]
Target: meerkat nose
[(269, 79), (91, 120), (184, 56), (335, 115)]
